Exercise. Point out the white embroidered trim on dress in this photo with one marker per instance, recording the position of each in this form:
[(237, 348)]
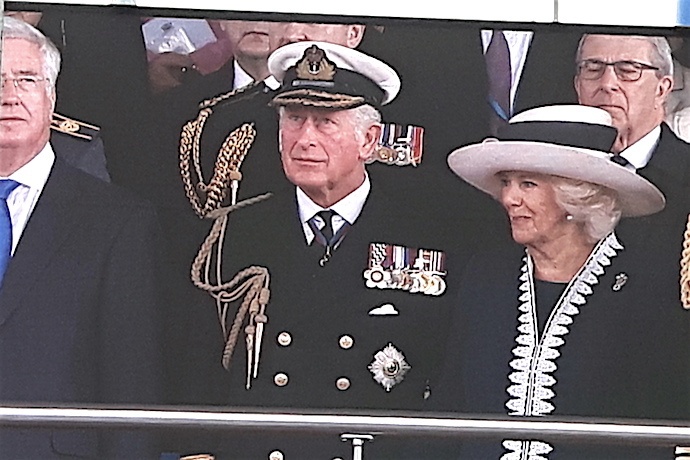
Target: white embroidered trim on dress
[(531, 450), (535, 355)]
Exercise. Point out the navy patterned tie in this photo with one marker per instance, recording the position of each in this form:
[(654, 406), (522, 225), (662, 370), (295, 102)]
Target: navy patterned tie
[(498, 72), (324, 236), (327, 230), (6, 187)]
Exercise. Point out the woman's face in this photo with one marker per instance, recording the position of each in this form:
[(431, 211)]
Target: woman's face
[(529, 199)]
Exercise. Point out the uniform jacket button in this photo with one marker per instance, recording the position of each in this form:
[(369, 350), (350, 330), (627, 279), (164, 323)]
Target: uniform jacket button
[(343, 383), (276, 455), (284, 339), (346, 342), (280, 379)]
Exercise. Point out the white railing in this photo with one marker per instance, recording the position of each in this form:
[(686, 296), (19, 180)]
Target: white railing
[(389, 423)]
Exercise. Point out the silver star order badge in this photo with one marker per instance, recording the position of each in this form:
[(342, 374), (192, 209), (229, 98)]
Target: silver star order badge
[(389, 367)]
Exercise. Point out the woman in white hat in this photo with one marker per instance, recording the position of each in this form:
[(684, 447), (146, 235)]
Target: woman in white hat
[(563, 324)]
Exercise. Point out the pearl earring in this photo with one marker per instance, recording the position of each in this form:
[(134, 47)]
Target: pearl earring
[(568, 217)]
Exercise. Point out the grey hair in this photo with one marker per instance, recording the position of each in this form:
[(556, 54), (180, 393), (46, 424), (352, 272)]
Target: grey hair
[(363, 117), (661, 52), (592, 205), (14, 28)]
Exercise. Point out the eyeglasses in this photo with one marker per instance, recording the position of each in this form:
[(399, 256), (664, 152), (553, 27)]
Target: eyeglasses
[(25, 83), (593, 69)]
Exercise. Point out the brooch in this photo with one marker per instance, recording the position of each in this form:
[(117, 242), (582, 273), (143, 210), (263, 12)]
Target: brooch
[(389, 367), (621, 279)]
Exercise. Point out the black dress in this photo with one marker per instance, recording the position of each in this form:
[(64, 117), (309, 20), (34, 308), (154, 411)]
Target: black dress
[(613, 346)]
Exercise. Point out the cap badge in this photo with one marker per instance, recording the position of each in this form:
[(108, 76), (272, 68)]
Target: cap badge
[(314, 65), (389, 367)]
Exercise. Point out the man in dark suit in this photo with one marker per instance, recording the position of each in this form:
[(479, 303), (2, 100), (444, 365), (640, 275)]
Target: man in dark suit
[(358, 288), (77, 316), (630, 77)]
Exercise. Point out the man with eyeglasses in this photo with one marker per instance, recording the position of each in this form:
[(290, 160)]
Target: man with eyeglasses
[(77, 294), (630, 77)]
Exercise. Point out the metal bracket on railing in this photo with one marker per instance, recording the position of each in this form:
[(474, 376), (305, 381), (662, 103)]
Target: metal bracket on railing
[(357, 443)]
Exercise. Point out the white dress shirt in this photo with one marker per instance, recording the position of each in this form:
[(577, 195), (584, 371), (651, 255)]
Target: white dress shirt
[(348, 209), (242, 78), (639, 153), (32, 178)]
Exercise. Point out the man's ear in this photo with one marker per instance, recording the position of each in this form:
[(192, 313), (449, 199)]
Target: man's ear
[(371, 141), (665, 86), (355, 33), (53, 99)]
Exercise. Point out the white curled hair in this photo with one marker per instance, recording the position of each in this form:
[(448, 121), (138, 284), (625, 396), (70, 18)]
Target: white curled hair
[(363, 117), (592, 205), (14, 28)]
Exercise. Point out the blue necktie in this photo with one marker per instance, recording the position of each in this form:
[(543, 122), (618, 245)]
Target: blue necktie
[(6, 187)]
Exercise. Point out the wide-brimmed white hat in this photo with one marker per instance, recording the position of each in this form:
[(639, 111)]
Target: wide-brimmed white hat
[(324, 74), (571, 141)]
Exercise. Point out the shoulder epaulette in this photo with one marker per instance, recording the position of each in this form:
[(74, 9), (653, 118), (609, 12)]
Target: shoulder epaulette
[(236, 95), (78, 129)]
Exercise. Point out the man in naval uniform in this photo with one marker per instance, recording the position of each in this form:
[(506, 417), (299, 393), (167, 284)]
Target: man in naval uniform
[(260, 170), (352, 314)]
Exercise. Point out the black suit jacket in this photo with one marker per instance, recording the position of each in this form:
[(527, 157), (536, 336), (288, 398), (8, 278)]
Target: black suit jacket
[(444, 79), (656, 240), (77, 314)]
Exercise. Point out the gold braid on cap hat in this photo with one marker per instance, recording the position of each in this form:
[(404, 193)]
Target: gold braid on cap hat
[(316, 98), (250, 284)]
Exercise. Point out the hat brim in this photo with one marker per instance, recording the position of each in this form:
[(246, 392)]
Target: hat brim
[(479, 164)]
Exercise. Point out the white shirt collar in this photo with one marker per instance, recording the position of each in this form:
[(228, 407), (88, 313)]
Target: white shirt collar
[(22, 201), (348, 209), (242, 78), (272, 82), (34, 174), (639, 153)]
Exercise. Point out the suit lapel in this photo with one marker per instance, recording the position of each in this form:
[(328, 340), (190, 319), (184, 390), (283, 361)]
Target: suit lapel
[(668, 166), (46, 230), (667, 170)]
